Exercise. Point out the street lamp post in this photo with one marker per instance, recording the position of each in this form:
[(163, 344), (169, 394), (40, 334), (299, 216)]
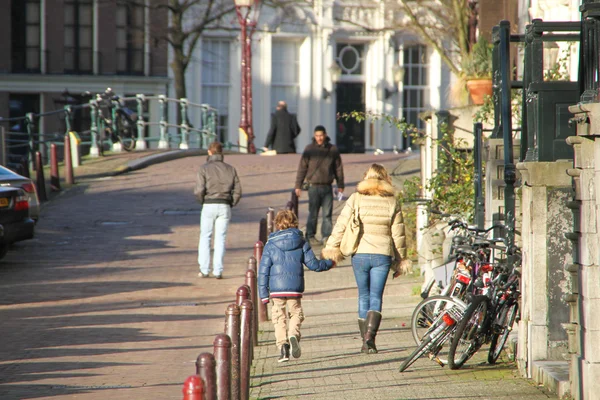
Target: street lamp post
[(247, 12)]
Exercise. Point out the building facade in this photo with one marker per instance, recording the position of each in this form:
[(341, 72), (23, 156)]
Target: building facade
[(55, 47), (323, 63)]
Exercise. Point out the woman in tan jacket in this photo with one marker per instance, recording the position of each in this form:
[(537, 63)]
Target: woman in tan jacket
[(381, 247)]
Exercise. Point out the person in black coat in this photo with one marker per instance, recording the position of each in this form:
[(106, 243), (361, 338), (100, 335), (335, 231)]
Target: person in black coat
[(284, 129)]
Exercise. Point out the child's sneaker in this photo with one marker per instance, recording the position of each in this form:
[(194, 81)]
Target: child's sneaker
[(296, 352), (285, 353)]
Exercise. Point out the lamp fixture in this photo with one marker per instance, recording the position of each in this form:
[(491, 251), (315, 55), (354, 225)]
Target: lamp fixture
[(335, 71), (390, 92)]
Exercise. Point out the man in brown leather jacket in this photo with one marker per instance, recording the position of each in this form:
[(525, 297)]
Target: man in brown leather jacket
[(217, 189), (319, 166)]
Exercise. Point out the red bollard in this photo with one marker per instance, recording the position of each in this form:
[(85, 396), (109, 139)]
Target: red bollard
[(69, 178), (295, 202), (243, 293), (222, 352), (270, 221), (193, 389), (232, 329), (54, 178), (258, 250), (247, 349), (40, 181), (263, 236), (251, 282), (205, 367)]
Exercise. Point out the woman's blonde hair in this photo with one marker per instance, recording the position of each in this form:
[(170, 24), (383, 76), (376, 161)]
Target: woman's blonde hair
[(285, 219), (378, 171)]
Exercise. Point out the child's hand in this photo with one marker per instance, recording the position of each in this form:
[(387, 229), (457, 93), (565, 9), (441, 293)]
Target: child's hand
[(396, 274), (333, 264)]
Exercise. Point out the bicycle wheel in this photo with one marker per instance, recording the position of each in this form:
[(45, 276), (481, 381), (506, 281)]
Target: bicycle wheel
[(508, 315), (429, 344), (427, 311), (126, 133), (469, 335)]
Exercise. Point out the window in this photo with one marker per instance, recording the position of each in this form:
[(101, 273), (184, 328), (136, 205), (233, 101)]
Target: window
[(416, 81), (285, 68), (78, 36), (130, 24), (350, 58), (25, 22), (215, 81)]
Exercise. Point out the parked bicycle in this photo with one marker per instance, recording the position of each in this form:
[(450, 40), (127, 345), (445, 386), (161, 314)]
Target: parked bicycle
[(489, 317), (117, 123)]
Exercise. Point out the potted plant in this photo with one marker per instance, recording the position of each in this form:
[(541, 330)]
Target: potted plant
[(476, 71)]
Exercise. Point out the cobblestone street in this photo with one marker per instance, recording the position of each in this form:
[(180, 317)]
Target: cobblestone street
[(105, 302)]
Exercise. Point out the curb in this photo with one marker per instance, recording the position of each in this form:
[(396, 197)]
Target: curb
[(156, 158)]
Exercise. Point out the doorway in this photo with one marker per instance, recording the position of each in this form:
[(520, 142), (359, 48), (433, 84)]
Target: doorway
[(349, 133)]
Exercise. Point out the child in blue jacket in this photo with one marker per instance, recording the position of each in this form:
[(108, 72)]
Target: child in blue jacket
[(281, 277)]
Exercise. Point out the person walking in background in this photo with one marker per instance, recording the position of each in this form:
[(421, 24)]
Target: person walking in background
[(319, 166), (218, 189), (284, 129), (381, 246), (281, 277)]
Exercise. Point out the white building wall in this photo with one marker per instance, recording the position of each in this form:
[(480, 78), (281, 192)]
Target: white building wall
[(317, 53)]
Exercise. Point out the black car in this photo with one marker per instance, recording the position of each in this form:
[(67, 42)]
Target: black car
[(14, 218)]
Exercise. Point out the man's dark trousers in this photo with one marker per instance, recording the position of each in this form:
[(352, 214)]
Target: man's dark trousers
[(319, 196)]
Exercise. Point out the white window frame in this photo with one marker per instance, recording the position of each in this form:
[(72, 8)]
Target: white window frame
[(287, 64), (223, 60)]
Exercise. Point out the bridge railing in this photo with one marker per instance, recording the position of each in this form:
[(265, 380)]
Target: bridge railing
[(96, 120)]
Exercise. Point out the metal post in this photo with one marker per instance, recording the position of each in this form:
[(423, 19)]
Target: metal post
[(251, 282), (140, 143), (247, 348), (40, 181), (94, 150), (270, 221), (184, 128), (496, 132), (258, 250), (243, 293), (246, 77), (193, 388), (509, 166), (205, 367), (232, 329), (263, 235), (222, 353), (479, 200), (163, 143), (251, 147), (54, 178), (69, 178), (29, 122), (3, 144), (116, 146)]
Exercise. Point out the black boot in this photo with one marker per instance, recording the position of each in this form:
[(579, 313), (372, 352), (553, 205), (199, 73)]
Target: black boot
[(372, 322), (362, 327)]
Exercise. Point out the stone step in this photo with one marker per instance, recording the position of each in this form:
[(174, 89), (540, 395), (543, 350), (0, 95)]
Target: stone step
[(554, 375)]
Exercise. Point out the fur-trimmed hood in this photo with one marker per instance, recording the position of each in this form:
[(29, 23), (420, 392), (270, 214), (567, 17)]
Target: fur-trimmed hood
[(375, 187)]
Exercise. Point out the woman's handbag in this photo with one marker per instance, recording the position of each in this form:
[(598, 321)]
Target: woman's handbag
[(351, 237)]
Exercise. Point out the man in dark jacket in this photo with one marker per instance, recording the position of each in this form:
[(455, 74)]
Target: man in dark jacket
[(284, 129), (217, 189), (319, 166), (281, 278)]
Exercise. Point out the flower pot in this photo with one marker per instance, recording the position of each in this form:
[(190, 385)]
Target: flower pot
[(478, 88)]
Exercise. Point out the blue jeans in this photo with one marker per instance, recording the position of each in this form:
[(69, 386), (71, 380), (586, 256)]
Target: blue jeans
[(371, 272), (214, 217), (319, 197)]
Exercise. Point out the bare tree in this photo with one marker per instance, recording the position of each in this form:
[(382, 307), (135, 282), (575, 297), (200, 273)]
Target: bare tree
[(448, 26)]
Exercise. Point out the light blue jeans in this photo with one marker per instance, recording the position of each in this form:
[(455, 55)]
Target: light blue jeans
[(371, 272), (214, 217)]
